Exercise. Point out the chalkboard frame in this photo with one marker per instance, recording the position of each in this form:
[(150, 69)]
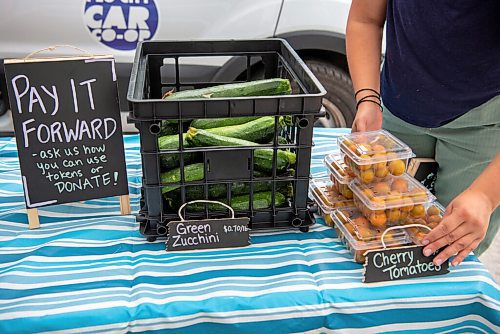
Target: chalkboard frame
[(117, 156)]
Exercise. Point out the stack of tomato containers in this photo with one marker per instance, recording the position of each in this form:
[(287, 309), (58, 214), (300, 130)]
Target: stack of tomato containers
[(332, 193), (371, 169)]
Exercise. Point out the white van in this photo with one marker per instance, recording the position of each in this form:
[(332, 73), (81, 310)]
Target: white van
[(315, 28)]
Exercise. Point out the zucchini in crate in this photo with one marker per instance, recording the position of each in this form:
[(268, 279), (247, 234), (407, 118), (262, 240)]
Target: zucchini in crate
[(171, 127), (171, 160), (220, 190), (251, 88), (194, 172), (281, 141), (167, 129), (260, 130), (261, 200), (209, 123), (171, 142), (263, 157)]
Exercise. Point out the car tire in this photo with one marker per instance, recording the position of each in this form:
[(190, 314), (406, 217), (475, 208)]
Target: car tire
[(339, 101)]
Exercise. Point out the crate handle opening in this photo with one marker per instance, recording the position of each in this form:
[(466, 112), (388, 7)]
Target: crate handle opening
[(303, 123), (155, 129), (297, 222), (161, 230)]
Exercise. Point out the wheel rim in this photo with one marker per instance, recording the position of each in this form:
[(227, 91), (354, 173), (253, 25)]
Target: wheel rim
[(334, 117)]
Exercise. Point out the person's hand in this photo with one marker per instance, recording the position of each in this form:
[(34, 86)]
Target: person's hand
[(368, 118), (463, 227)]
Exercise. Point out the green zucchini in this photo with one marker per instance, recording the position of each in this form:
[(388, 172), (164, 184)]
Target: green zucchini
[(220, 190), (203, 138), (194, 172), (263, 157), (259, 131), (281, 141), (170, 121), (252, 88), (171, 127), (258, 174), (167, 129), (261, 200), (171, 142), (209, 123), (263, 160), (171, 160)]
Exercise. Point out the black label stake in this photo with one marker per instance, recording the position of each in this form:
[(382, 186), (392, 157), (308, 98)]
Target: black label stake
[(389, 264), (207, 233)]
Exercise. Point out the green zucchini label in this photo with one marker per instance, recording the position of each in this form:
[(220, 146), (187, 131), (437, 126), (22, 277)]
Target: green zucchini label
[(208, 234)]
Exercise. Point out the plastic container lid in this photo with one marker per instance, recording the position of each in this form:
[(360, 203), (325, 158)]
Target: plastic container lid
[(326, 196), (392, 192), (373, 146), (337, 167), (361, 235)]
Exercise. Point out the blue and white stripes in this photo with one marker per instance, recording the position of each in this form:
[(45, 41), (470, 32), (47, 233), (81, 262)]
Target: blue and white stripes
[(89, 270)]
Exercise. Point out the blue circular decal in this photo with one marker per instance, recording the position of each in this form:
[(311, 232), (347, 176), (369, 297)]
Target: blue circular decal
[(121, 24)]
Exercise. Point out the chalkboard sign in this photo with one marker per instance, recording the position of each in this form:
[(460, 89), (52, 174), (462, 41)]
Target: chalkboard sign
[(208, 233), (400, 263), (68, 128)]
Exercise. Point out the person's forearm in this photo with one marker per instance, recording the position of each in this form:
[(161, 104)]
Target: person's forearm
[(363, 44), (489, 182)]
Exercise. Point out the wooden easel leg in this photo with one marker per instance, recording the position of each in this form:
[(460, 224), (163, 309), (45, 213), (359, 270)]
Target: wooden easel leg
[(125, 204), (33, 220)]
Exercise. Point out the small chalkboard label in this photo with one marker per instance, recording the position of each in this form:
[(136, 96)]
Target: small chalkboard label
[(68, 128), (392, 264), (208, 234)]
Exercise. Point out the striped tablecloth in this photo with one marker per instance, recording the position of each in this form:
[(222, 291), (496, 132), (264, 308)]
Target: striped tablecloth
[(90, 270)]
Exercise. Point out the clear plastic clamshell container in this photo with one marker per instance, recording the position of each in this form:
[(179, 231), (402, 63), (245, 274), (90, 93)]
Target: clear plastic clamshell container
[(360, 236), (392, 200), (374, 155), (326, 196), (340, 174), (431, 216)]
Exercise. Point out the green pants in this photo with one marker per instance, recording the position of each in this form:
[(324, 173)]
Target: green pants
[(463, 148)]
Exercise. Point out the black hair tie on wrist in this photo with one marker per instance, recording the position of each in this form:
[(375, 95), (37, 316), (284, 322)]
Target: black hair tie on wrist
[(367, 99), (370, 96), (367, 89)]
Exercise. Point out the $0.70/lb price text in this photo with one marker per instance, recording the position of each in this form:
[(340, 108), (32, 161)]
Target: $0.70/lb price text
[(235, 228)]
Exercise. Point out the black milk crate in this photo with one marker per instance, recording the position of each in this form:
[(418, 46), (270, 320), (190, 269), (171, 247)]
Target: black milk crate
[(157, 70)]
